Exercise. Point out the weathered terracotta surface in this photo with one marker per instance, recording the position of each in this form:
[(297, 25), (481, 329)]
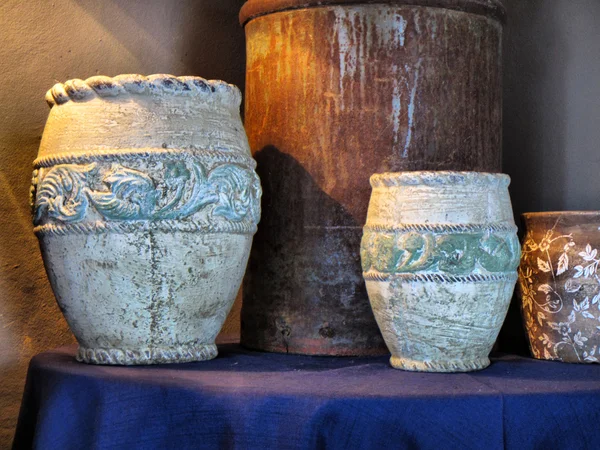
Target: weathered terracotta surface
[(145, 202), (335, 93), (559, 285), (440, 255)]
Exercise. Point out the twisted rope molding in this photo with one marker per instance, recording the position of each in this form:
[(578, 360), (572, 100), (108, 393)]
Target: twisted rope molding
[(166, 226), (440, 278), (145, 153), (443, 228), (128, 84), (156, 355), (439, 366), (440, 178)]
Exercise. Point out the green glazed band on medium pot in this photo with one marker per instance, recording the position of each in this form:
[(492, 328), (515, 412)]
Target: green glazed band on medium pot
[(439, 255), (559, 285)]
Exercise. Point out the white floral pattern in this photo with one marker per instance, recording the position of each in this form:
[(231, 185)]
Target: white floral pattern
[(560, 298)]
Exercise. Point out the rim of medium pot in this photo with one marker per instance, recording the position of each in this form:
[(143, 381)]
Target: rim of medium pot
[(252, 9), (127, 85), (439, 178)]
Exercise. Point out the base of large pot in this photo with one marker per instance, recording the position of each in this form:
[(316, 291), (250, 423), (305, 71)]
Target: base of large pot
[(144, 356), (453, 365)]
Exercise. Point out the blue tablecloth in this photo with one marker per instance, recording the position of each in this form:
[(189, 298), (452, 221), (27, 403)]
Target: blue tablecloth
[(247, 399)]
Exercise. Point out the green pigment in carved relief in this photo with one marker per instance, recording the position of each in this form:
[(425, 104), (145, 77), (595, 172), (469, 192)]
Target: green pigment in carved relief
[(454, 254), (67, 192)]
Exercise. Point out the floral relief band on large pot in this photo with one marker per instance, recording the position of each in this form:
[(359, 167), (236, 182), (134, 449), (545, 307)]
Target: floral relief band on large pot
[(145, 201), (439, 255), (559, 285)]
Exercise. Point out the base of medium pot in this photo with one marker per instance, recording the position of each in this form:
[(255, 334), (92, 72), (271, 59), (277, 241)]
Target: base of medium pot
[(453, 365), (146, 356)]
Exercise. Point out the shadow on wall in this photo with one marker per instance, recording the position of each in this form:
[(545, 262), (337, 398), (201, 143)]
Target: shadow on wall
[(200, 38), (304, 290), (535, 56)]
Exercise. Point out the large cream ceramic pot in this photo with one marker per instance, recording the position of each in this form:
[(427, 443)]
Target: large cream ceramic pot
[(145, 203), (439, 255)]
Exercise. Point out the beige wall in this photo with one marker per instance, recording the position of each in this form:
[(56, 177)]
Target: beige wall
[(551, 113), (43, 42), (551, 135)]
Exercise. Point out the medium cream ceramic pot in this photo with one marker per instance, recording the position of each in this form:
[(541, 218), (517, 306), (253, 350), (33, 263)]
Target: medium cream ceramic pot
[(439, 255), (145, 202)]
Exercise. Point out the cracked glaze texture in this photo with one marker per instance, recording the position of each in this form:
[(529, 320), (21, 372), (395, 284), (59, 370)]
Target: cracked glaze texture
[(439, 254), (145, 201), (335, 92)]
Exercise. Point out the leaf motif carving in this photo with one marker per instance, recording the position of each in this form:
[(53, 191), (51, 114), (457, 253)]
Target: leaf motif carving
[(497, 254), (589, 254), (235, 189), (66, 192), (132, 195), (200, 196), (572, 286), (62, 193), (543, 265), (455, 253), (563, 264), (540, 317), (545, 288)]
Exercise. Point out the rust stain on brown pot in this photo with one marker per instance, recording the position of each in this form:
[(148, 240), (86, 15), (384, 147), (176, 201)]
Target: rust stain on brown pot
[(335, 93)]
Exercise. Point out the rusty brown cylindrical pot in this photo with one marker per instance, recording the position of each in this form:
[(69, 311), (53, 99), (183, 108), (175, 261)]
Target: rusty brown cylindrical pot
[(337, 91), (559, 285)]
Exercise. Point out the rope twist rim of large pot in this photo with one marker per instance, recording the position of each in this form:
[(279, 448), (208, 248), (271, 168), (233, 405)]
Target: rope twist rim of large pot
[(150, 355), (102, 86)]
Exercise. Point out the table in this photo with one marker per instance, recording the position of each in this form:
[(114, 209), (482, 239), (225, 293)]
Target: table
[(246, 399)]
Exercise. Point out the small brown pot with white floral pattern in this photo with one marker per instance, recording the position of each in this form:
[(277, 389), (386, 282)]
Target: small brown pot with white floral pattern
[(559, 285)]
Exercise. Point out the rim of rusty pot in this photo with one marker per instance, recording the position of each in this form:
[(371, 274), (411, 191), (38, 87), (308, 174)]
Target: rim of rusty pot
[(533, 215), (256, 8)]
